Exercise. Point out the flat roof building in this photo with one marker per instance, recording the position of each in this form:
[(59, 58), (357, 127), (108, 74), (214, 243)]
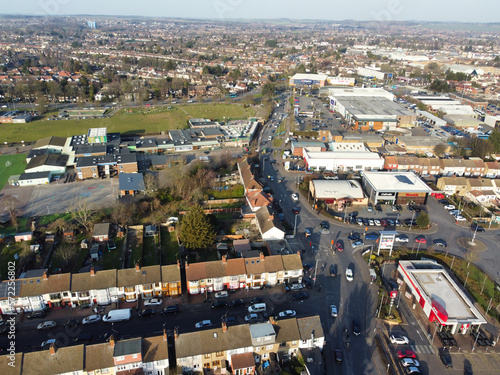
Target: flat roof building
[(336, 191), (441, 299)]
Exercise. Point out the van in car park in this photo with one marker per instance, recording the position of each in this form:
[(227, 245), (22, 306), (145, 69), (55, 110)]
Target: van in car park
[(119, 315), (258, 307)]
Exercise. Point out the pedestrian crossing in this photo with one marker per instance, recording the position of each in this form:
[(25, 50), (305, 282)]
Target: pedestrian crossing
[(423, 349)]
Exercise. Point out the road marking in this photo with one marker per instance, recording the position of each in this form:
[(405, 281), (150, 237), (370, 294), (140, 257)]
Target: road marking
[(419, 335), (423, 349)]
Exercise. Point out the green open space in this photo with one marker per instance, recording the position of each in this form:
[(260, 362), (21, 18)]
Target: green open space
[(169, 246), (137, 120), (235, 191), (11, 165), (149, 257), (135, 243), (22, 226), (111, 258), (7, 254)]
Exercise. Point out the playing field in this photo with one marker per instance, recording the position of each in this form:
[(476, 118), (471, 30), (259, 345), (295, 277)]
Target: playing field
[(11, 165), (137, 120)]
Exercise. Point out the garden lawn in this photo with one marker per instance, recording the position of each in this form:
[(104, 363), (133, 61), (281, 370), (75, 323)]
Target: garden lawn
[(111, 259), (149, 251), (219, 112), (10, 165), (169, 246)]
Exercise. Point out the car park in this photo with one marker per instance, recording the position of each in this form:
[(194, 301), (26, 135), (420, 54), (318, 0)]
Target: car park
[(357, 244), (173, 309), (222, 294), (440, 242), (49, 324), (145, 313), (203, 323), (409, 362), (399, 340), (287, 313), (349, 275), (406, 354), (91, 319), (153, 302), (356, 328), (333, 311)]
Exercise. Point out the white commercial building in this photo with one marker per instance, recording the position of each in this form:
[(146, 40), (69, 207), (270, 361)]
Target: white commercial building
[(343, 161), (432, 288), (336, 191)]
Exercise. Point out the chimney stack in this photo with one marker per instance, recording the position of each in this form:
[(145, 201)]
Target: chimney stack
[(52, 349), (224, 327), (224, 259), (261, 255), (92, 271), (45, 275), (112, 341), (164, 334), (137, 267)]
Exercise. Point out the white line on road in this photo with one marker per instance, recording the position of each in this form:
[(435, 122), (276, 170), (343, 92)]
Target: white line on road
[(419, 335)]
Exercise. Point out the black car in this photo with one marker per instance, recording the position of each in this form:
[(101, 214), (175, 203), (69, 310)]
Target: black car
[(366, 222), (295, 210), (255, 300), (356, 328), (237, 303), (106, 336), (71, 323), (219, 304), (146, 313), (338, 355), (446, 359), (417, 208), (477, 228), (230, 320), (444, 201), (300, 296), (440, 242), (399, 207), (170, 310), (84, 337), (333, 270), (307, 283), (354, 237), (324, 225), (37, 314), (410, 208), (378, 207)]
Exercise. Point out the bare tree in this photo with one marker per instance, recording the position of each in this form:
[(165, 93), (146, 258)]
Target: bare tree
[(66, 253), (123, 214), (470, 257), (440, 149), (58, 226), (150, 184), (11, 203), (83, 214)]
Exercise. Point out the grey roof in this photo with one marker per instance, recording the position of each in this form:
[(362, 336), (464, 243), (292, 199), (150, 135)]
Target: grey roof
[(262, 330), (364, 107), (37, 152), (6, 289), (117, 158), (266, 222), (158, 160), (101, 229), (212, 131), (34, 175), (50, 141), (131, 181), (127, 347), (55, 160), (90, 149)]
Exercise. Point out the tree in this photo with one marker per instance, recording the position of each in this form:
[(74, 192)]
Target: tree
[(494, 138), (440, 149), (196, 230), (423, 220), (11, 203), (66, 253), (470, 257), (150, 184), (83, 214), (123, 214)]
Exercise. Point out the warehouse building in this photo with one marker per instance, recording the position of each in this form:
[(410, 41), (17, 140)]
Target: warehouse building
[(301, 79), (395, 187)]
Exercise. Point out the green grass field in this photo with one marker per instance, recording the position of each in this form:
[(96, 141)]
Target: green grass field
[(138, 120), (17, 166)]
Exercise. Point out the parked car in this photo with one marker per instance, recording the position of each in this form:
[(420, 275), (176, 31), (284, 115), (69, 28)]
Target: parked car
[(145, 313), (477, 228), (295, 210), (174, 309), (300, 296), (237, 303), (338, 355), (440, 242), (353, 237), (412, 370), (333, 270), (444, 201), (402, 238), (339, 246), (46, 325), (406, 354), (295, 197), (449, 207), (307, 232), (349, 275), (91, 319), (222, 294), (333, 311), (359, 221), (446, 359), (324, 225), (378, 222), (356, 328), (399, 340), (71, 323), (287, 313), (37, 314), (256, 300), (252, 318), (371, 222), (153, 302), (372, 236), (420, 239), (369, 208), (219, 304), (460, 218), (408, 362), (203, 323)]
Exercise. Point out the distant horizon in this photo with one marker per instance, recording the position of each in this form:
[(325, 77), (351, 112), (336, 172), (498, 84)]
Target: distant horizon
[(443, 11)]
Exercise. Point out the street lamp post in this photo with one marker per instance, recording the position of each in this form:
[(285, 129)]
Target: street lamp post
[(412, 216), (475, 341), (295, 226), (466, 278), (380, 307), (418, 248)]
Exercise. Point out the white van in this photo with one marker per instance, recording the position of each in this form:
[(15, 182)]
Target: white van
[(258, 307), (119, 315)]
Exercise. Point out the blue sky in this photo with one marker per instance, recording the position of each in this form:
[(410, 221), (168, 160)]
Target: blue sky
[(375, 10)]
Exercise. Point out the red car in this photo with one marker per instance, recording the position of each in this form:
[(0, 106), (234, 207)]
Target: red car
[(406, 354), (420, 240), (339, 246)]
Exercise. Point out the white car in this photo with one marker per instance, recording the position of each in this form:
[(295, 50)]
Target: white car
[(220, 295), (91, 319), (449, 207), (399, 340), (46, 325), (349, 275), (460, 218), (359, 221), (251, 318), (203, 323), (401, 238), (371, 222), (454, 212), (287, 313), (407, 362), (153, 302), (295, 197), (333, 311), (377, 222)]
